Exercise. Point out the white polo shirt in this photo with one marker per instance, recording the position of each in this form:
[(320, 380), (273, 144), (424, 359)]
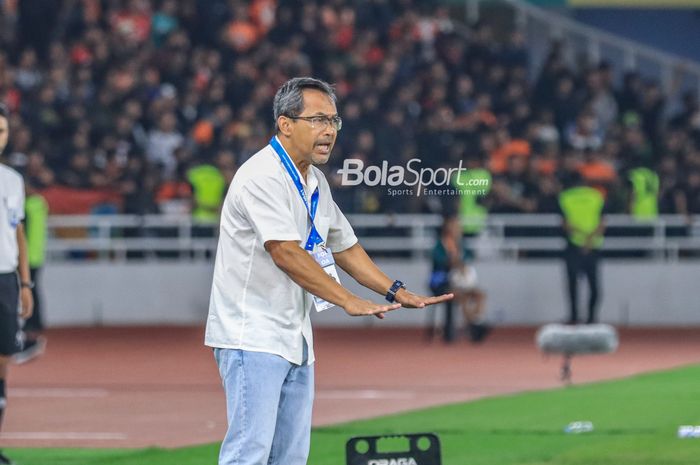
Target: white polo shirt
[(11, 214), (255, 305)]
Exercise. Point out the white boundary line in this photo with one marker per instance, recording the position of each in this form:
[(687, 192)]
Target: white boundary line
[(58, 392), (49, 435), (363, 394)]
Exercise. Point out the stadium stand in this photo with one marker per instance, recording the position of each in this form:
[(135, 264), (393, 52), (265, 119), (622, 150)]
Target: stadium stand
[(114, 103)]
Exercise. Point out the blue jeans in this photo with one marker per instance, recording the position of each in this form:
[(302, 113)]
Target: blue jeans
[(268, 406)]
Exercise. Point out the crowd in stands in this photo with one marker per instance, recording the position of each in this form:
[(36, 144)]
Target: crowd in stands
[(129, 96)]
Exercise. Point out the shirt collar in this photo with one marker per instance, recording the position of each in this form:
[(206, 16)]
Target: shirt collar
[(312, 184)]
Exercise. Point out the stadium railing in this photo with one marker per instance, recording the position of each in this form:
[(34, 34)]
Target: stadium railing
[(510, 236)]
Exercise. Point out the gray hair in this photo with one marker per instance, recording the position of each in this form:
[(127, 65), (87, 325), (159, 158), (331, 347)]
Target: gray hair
[(289, 99)]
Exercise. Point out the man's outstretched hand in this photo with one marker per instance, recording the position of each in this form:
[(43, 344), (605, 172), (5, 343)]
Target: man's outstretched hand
[(410, 300), (356, 306)]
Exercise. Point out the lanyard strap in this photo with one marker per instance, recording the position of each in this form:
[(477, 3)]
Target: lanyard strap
[(314, 237)]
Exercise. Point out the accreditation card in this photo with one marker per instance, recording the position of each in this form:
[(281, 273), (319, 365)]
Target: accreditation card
[(324, 257)]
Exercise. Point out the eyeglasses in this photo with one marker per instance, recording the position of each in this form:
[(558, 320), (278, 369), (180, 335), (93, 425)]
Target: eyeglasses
[(322, 121)]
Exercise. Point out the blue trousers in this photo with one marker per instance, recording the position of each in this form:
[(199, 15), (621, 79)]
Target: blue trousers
[(268, 405)]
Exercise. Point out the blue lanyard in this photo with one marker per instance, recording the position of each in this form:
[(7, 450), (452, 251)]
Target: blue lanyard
[(314, 237)]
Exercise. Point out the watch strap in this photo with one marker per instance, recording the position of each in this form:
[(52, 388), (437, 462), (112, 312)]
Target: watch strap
[(391, 294)]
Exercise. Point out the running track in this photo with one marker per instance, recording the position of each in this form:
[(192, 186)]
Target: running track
[(158, 386)]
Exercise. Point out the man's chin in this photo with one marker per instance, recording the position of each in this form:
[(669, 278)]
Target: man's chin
[(317, 159)]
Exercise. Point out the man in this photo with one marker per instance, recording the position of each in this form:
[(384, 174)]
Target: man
[(281, 234), (36, 212), (644, 186), (15, 296), (582, 210), (452, 271)]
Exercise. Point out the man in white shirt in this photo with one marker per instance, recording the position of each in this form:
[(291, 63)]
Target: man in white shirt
[(281, 236), (15, 296)]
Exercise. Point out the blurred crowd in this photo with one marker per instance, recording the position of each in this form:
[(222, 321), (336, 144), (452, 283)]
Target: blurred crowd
[(132, 96)]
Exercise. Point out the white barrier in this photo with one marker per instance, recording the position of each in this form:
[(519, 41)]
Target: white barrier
[(636, 293)]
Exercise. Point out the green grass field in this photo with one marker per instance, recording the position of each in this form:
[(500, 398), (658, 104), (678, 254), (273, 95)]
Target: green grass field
[(635, 421)]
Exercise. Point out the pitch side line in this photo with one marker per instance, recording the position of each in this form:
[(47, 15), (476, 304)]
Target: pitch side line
[(363, 394), (58, 392), (49, 435)]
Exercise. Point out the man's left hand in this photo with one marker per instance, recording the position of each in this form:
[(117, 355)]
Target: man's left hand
[(27, 303), (410, 300)]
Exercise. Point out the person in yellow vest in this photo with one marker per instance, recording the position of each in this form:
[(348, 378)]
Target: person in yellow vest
[(582, 209), (36, 216), (473, 184), (209, 185), (208, 188), (644, 193)]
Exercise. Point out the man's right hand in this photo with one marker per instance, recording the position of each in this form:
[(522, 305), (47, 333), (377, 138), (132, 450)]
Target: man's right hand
[(361, 307)]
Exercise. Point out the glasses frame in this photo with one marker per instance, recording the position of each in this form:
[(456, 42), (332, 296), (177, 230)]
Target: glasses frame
[(336, 122)]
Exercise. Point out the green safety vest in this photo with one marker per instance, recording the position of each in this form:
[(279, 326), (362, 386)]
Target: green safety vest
[(472, 213), (583, 210), (209, 187), (645, 193), (37, 213)]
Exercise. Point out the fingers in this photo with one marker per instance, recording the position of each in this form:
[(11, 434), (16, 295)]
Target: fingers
[(438, 299), (366, 307), (418, 301), (26, 313), (381, 309), (27, 308)]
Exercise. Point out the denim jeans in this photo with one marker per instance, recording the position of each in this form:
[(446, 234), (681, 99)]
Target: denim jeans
[(268, 406)]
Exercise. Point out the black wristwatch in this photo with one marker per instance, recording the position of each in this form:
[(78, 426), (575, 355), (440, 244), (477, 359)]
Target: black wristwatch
[(391, 295), (28, 285)]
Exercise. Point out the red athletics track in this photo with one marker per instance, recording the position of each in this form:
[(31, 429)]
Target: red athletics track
[(132, 387)]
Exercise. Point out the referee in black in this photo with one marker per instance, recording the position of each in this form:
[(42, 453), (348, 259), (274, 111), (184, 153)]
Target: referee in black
[(16, 301)]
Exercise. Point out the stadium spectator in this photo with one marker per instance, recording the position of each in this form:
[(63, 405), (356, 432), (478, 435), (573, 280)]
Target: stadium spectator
[(596, 171), (162, 142), (688, 200)]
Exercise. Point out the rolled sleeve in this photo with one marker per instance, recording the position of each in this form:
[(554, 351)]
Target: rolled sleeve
[(264, 203)]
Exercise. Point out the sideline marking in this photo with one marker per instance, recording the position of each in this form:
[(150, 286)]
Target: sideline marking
[(57, 392), (49, 435), (363, 394)]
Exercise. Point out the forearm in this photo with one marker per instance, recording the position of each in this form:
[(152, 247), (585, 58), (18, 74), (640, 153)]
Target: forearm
[(23, 268), (355, 262), (600, 230), (597, 232), (304, 271)]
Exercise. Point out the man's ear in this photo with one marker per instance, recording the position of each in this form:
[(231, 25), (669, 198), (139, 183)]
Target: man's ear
[(285, 125)]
